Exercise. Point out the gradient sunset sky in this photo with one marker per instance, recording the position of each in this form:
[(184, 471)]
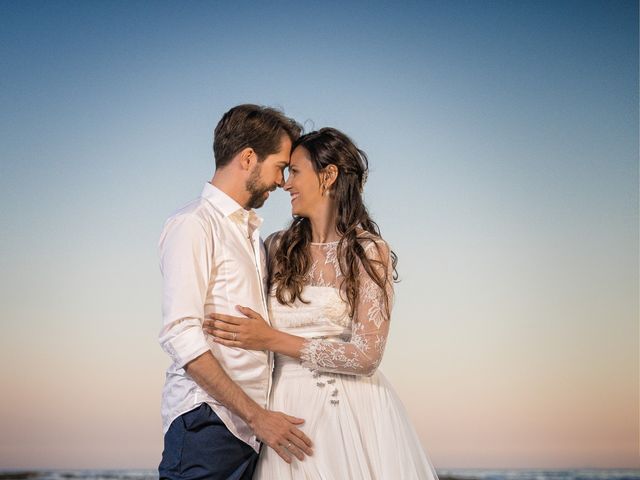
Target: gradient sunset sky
[(503, 144)]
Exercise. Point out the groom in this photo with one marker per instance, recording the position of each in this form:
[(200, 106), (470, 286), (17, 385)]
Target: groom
[(212, 259)]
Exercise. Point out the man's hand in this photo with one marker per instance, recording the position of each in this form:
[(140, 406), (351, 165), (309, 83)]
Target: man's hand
[(279, 432)]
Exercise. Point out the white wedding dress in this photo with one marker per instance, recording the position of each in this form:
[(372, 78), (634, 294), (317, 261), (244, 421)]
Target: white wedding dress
[(357, 423)]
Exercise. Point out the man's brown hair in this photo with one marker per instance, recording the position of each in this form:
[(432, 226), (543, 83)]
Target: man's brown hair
[(252, 126)]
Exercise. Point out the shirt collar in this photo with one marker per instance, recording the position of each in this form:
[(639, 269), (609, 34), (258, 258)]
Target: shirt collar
[(229, 207)]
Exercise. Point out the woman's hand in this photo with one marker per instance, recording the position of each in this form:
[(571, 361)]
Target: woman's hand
[(250, 332)]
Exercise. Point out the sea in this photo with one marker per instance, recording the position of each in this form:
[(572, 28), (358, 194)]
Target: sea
[(443, 474)]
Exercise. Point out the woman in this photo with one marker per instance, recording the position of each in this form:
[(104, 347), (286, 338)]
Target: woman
[(331, 287)]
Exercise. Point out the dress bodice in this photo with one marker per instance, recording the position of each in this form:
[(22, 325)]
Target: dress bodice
[(326, 314), (340, 339)]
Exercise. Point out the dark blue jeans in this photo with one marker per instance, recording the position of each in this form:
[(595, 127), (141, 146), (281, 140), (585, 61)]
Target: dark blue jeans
[(198, 446)]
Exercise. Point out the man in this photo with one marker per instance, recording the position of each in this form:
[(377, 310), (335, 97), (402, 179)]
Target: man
[(212, 259)]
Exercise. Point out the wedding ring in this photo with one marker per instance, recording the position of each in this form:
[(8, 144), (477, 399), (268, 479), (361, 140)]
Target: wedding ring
[(234, 336), (289, 445)]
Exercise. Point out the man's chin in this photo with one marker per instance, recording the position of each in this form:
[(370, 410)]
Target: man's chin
[(258, 202)]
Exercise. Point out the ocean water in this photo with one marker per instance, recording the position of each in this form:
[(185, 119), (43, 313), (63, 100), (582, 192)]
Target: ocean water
[(531, 474), (462, 474), (79, 474)]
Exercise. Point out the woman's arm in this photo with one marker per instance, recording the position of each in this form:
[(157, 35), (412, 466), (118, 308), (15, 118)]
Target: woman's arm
[(361, 355), (251, 333)]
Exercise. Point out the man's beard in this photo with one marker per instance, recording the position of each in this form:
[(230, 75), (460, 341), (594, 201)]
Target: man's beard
[(256, 189)]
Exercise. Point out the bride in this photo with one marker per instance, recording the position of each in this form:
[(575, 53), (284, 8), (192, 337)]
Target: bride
[(331, 291)]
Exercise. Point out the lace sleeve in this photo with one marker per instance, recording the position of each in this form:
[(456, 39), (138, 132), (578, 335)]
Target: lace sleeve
[(362, 354)]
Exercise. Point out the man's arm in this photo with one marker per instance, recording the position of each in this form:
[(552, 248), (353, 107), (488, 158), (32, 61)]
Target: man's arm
[(186, 250), (276, 429)]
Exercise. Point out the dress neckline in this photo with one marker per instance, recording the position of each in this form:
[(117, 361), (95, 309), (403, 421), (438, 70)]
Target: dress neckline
[(324, 243)]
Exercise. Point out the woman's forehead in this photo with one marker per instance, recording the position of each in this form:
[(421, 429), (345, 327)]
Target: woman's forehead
[(299, 156)]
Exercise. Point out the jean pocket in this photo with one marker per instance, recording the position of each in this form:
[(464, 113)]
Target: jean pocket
[(172, 454), (199, 418)]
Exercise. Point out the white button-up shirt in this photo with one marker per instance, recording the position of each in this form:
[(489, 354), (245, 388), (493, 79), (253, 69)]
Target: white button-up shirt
[(212, 259)]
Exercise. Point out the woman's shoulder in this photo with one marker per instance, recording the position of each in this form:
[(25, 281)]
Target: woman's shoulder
[(374, 245), (366, 238), (274, 236), (272, 241)]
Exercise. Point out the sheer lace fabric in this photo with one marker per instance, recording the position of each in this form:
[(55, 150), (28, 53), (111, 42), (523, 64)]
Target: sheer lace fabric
[(344, 389), (339, 343)]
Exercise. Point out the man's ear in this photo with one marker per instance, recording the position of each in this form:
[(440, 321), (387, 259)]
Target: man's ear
[(247, 157)]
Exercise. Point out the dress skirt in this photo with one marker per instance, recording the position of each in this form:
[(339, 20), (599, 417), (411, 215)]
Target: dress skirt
[(358, 426)]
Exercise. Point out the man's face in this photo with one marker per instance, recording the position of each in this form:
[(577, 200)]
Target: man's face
[(268, 175)]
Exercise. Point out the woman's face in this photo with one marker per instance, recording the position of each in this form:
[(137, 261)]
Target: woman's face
[(303, 184)]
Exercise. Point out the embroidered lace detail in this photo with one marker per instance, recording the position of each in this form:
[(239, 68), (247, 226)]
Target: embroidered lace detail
[(313, 271), (332, 258), (325, 267), (328, 355), (360, 352)]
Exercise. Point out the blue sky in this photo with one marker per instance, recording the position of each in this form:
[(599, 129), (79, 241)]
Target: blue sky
[(503, 143)]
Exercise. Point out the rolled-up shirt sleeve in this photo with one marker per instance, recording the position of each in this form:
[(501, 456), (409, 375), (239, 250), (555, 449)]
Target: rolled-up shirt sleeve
[(185, 250)]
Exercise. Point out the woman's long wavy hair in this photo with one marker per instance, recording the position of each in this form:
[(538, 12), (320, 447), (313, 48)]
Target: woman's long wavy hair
[(291, 260)]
